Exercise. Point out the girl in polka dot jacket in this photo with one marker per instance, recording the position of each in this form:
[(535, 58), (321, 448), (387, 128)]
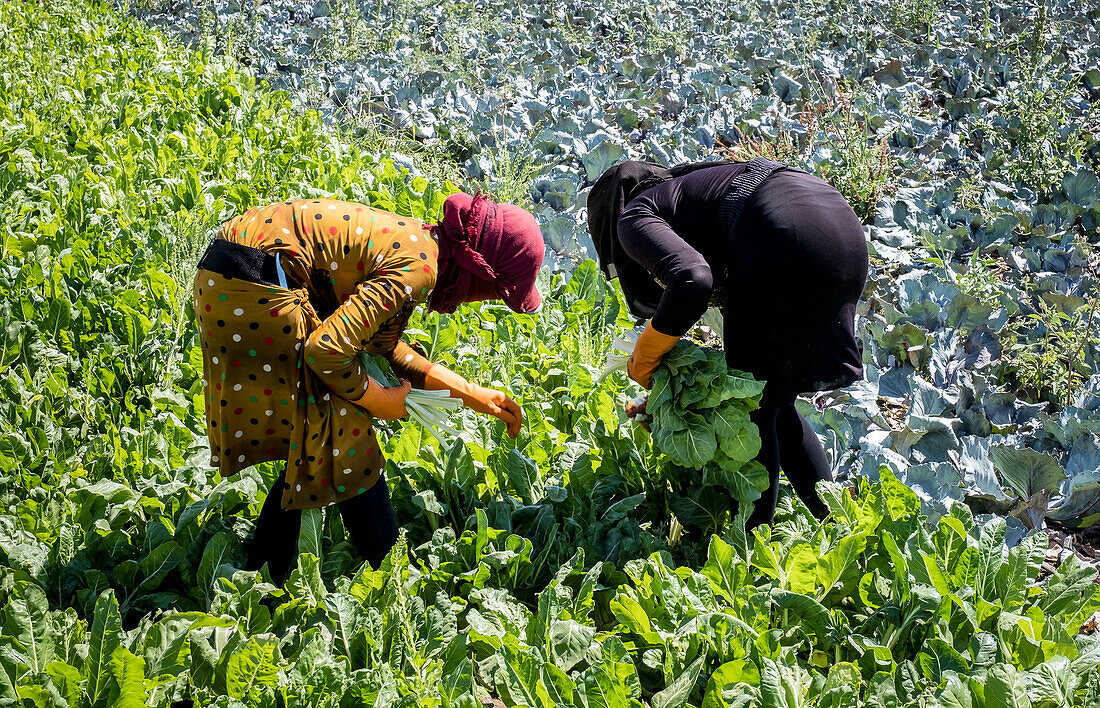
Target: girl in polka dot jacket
[(289, 294)]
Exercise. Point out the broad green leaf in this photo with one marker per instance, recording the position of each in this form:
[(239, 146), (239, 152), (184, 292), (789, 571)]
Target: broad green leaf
[(839, 502), (457, 683), (459, 467), (1053, 681), (660, 394), (938, 657), (210, 647), (1081, 186), (955, 555), (27, 620), (730, 681), (558, 685), (874, 590), (584, 602), (703, 507), (737, 533), (842, 687), (730, 421), (309, 536), (252, 665), (676, 694), (523, 476), (305, 581), (1004, 689), (519, 680), (723, 569), (96, 498), (1070, 587), (783, 685), (839, 561), (984, 651), (743, 384), (899, 501), (103, 639), (13, 671), (166, 648), (610, 685), (745, 482), (312, 657), (742, 446), (1023, 565), (695, 445), (631, 614), (1088, 654), (991, 550), (899, 566), (684, 354), (883, 691), (569, 642), (216, 553), (809, 615), (934, 574), (347, 616), (621, 508), (67, 680), (802, 570), (129, 673), (874, 658), (955, 693), (1026, 471), (587, 283)]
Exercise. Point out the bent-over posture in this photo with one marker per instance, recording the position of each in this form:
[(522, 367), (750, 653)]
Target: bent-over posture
[(778, 250), (288, 295)]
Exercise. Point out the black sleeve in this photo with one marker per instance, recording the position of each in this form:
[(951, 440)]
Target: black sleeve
[(647, 237)]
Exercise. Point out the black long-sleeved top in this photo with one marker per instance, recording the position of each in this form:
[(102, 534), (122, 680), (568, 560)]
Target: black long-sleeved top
[(787, 279), (674, 232)]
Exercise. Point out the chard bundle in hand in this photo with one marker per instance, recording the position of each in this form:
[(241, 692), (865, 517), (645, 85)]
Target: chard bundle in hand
[(698, 412), (431, 409)]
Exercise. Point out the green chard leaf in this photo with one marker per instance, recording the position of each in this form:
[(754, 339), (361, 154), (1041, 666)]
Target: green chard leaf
[(103, 640), (27, 620)]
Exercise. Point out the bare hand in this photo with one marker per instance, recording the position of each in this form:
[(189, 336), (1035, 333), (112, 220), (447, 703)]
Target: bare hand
[(499, 404), (636, 411)]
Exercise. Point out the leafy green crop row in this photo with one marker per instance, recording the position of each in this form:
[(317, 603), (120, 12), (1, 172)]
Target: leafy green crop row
[(572, 566), (965, 135)]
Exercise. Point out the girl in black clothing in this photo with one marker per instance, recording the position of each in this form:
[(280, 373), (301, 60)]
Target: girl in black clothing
[(778, 250)]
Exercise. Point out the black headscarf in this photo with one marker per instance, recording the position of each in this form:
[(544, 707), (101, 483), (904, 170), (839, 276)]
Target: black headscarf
[(606, 201)]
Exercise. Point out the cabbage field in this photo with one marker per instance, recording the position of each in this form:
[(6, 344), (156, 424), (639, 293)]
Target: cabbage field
[(575, 565)]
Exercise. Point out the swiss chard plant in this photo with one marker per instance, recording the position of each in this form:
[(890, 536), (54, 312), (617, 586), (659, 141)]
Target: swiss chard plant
[(700, 419)]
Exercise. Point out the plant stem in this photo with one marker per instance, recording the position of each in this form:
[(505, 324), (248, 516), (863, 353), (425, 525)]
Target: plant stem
[(1080, 349)]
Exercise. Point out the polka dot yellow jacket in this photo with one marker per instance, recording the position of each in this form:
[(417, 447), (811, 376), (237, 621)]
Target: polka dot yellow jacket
[(281, 364)]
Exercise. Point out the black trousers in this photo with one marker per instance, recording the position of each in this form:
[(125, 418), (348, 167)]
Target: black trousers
[(368, 518), (788, 443)]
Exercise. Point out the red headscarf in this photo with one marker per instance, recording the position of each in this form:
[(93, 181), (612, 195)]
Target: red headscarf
[(487, 251)]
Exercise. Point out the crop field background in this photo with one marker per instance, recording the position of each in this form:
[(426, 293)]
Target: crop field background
[(574, 566)]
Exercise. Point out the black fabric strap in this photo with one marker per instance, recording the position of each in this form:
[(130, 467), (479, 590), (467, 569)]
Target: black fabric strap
[(235, 260), (742, 188)]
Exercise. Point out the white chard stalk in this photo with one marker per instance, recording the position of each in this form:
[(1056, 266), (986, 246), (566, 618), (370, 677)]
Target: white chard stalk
[(429, 409), (617, 362)]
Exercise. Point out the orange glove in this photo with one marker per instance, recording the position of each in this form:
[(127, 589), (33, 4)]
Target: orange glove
[(648, 352), (481, 399), (384, 402)]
